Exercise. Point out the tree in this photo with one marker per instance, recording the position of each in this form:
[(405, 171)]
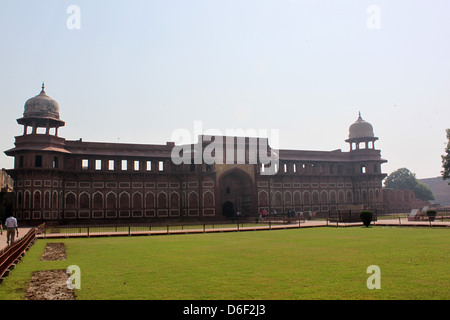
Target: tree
[(404, 179), (423, 191), (446, 159), (401, 179)]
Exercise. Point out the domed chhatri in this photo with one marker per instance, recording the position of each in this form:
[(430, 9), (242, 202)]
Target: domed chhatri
[(41, 106), (41, 111), (360, 129)]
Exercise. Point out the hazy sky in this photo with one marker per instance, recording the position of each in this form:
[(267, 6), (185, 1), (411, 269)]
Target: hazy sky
[(135, 71)]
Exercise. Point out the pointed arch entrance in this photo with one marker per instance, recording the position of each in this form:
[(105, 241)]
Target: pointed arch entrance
[(228, 209), (236, 191)]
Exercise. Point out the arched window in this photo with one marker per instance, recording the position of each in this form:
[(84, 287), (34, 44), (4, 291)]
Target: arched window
[(208, 199), (341, 196), (137, 200), (124, 201), (323, 197), (47, 200), (364, 196), (297, 198), (306, 198), (193, 200), (357, 196), (287, 198), (55, 200), (333, 197), (162, 200), (84, 201), (97, 202), (70, 201), (149, 200), (278, 198), (174, 200), (315, 197), (37, 200), (111, 201), (263, 198), (27, 203), (349, 199)]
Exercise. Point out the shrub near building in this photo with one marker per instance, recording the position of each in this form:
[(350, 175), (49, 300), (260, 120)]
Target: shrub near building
[(431, 214), (366, 217)]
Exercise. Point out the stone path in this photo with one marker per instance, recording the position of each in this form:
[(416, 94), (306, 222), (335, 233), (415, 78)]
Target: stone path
[(22, 232), (217, 228)]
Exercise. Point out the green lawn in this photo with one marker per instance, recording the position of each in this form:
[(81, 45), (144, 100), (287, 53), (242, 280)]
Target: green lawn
[(310, 263)]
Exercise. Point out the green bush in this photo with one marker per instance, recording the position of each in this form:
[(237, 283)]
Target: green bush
[(366, 217), (431, 214)]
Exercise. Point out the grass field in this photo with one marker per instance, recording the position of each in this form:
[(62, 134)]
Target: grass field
[(314, 263)]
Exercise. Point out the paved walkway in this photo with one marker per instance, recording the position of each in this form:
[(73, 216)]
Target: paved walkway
[(97, 232), (22, 232), (295, 224), (405, 222)]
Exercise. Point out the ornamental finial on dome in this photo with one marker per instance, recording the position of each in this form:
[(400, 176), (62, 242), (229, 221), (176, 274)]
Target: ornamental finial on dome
[(43, 88)]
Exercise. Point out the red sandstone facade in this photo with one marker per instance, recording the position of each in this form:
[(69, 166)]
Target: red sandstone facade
[(57, 179), (401, 201)]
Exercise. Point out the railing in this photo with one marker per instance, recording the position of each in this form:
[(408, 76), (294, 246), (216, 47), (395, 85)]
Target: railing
[(161, 229), (11, 254), (102, 230), (269, 223), (348, 216)]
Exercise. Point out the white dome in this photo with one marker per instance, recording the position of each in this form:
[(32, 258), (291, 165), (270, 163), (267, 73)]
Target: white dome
[(360, 129), (41, 106)]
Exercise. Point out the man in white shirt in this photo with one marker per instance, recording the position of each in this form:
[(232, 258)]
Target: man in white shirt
[(11, 226)]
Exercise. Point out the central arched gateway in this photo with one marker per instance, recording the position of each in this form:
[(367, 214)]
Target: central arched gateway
[(235, 190)]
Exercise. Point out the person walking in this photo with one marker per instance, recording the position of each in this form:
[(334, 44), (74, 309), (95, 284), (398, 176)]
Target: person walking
[(11, 226)]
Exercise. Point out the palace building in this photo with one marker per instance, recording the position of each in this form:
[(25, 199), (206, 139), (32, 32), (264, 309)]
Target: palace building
[(64, 180)]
